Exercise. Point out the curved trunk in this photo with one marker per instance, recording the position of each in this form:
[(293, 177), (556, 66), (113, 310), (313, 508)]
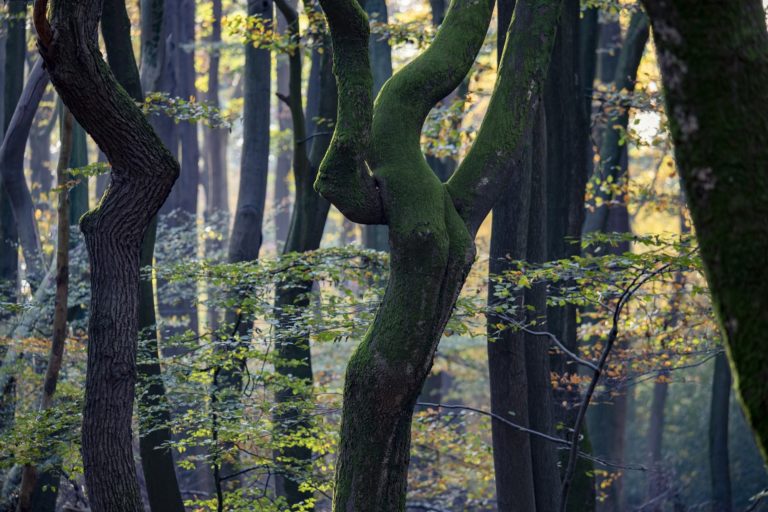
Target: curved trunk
[(156, 459), (143, 173)]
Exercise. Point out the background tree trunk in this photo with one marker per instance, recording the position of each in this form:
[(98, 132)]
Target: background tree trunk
[(719, 415)]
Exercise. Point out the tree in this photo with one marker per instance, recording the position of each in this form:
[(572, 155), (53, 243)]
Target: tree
[(143, 172), (719, 416), (154, 433), (714, 63), (375, 173), (308, 218)]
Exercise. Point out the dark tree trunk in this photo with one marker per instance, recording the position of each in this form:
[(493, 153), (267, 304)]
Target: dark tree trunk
[(282, 206), (154, 434), (32, 496), (12, 171), (143, 173), (656, 479), (15, 52), (544, 457), (218, 191), (719, 460), (610, 168), (249, 214), (714, 63), (507, 367), (292, 297), (78, 157), (375, 236), (40, 150)]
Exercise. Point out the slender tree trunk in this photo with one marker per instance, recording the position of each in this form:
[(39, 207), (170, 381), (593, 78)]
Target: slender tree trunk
[(507, 367), (656, 477), (247, 235), (714, 62), (15, 52), (12, 171), (143, 174), (281, 200), (29, 474), (308, 219), (375, 236), (719, 460), (544, 457), (154, 416)]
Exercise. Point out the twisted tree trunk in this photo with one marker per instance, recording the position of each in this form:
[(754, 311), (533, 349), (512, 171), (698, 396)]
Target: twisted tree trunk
[(431, 225), (143, 172)]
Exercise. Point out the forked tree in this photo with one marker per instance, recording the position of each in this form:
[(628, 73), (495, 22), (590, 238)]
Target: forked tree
[(375, 173), (143, 172), (714, 66)]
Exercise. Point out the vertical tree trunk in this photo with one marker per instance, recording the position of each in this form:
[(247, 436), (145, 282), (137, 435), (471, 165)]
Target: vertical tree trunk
[(656, 478), (544, 457), (281, 201), (143, 174), (29, 476), (15, 51), (714, 63), (375, 236), (507, 367), (154, 434), (308, 219), (719, 460)]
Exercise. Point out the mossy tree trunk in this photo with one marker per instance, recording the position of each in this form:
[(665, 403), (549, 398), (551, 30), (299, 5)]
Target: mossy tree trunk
[(431, 225), (714, 63), (143, 172)]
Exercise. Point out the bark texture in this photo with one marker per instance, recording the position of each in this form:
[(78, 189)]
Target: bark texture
[(714, 63), (375, 172), (143, 172), (154, 433)]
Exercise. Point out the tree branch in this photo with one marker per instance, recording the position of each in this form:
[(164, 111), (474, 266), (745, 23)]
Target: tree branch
[(497, 151), (343, 177)]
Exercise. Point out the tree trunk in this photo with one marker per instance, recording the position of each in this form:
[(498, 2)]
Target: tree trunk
[(29, 474), (282, 207), (308, 219), (719, 461), (656, 478), (714, 62), (143, 173), (544, 457), (15, 52), (40, 150), (375, 236), (154, 434), (508, 372), (12, 170), (431, 225)]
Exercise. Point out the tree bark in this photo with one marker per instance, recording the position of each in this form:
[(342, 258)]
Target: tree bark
[(719, 460), (154, 416), (12, 171), (143, 172), (29, 473), (431, 225), (656, 478), (507, 369), (15, 51), (308, 219), (716, 94), (380, 52)]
